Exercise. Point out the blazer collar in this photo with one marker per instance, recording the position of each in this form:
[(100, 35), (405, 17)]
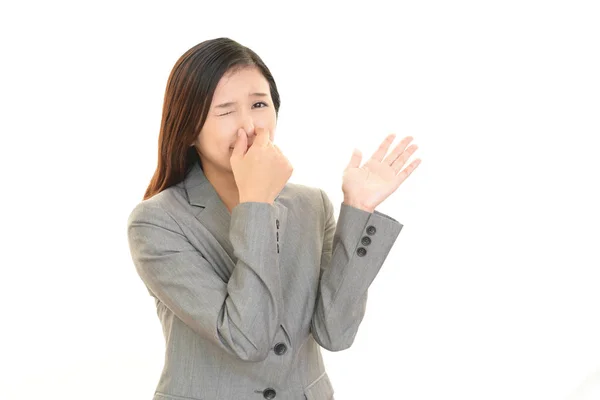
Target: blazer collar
[(212, 213)]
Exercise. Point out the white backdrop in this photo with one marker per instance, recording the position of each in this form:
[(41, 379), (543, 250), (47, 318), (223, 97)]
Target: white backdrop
[(492, 288)]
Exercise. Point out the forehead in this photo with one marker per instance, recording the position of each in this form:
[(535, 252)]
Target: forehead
[(241, 82)]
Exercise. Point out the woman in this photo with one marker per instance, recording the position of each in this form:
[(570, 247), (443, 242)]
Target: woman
[(250, 274)]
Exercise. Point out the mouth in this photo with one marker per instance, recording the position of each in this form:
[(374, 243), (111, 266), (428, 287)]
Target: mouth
[(231, 148)]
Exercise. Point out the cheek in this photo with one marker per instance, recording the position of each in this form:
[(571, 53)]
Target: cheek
[(217, 135)]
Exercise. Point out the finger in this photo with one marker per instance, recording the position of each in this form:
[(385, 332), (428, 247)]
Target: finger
[(262, 136), (405, 173), (383, 147), (398, 157), (355, 159), (278, 150), (239, 149)]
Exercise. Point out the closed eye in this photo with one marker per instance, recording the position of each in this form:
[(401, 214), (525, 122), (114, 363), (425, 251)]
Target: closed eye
[(260, 102)]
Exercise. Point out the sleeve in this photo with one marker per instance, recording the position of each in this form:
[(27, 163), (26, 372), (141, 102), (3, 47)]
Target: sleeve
[(242, 315), (354, 250)]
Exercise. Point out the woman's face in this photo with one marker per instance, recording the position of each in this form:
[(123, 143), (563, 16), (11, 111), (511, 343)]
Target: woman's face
[(241, 100)]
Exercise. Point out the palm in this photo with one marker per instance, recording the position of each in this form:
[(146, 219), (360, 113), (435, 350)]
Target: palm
[(379, 177)]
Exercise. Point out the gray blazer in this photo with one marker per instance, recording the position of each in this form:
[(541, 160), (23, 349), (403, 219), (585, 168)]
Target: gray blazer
[(247, 299)]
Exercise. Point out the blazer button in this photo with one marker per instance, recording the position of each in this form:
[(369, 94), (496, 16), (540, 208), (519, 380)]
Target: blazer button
[(361, 251), (280, 348), (366, 240), (269, 393), (371, 230)]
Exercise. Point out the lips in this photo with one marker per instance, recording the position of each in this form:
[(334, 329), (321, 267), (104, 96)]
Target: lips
[(250, 145)]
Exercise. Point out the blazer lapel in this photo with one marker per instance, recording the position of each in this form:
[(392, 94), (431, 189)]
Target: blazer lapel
[(211, 212)]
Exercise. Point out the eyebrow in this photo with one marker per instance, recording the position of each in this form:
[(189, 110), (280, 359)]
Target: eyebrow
[(225, 105)]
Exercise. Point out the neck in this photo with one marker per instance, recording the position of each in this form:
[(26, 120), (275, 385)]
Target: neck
[(223, 183)]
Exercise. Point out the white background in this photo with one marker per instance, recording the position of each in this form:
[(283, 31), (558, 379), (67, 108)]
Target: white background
[(492, 288)]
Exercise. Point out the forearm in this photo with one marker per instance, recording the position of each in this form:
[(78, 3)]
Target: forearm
[(354, 252)]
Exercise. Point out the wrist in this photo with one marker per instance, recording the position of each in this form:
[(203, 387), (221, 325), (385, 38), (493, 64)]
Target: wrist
[(358, 205), (256, 199)]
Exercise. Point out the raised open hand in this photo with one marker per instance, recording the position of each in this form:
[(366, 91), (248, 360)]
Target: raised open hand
[(368, 185)]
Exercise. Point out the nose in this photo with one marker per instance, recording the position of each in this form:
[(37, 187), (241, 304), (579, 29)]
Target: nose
[(248, 127)]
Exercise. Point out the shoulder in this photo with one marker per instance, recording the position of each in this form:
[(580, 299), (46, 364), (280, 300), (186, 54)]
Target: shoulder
[(157, 210)]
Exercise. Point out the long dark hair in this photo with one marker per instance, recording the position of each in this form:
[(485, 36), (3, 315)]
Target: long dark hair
[(188, 96)]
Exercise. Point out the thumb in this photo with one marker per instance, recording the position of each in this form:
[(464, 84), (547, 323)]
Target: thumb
[(240, 145), (355, 159)]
